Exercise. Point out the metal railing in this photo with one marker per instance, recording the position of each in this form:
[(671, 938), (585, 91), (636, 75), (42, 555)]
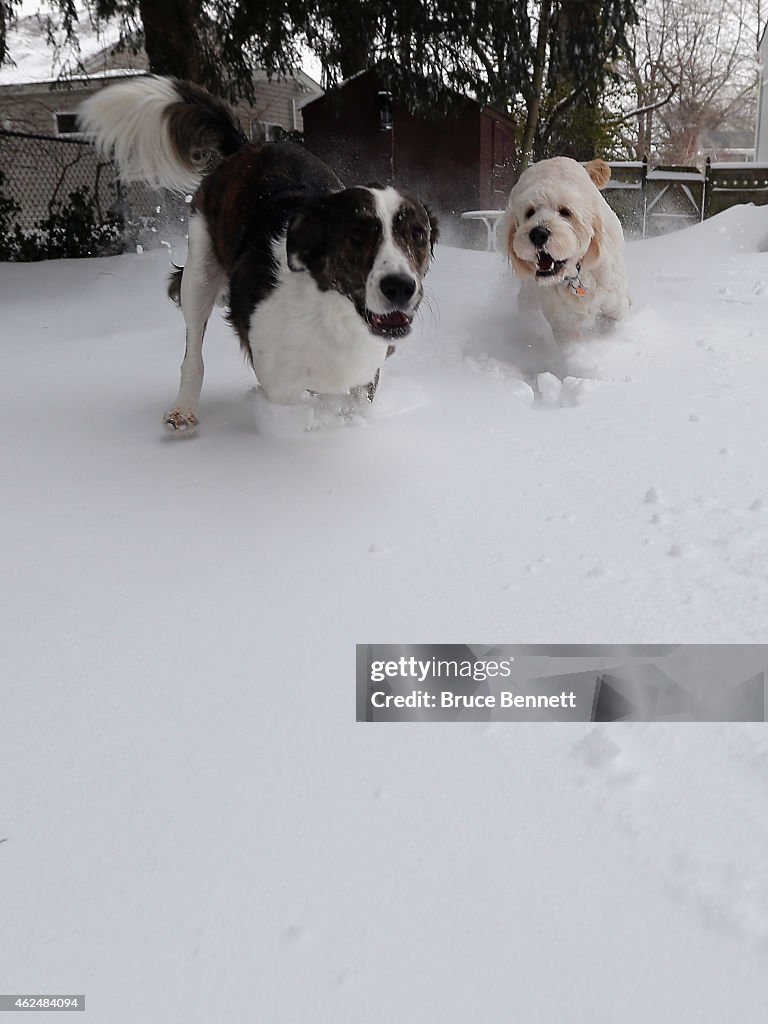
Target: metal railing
[(655, 201)]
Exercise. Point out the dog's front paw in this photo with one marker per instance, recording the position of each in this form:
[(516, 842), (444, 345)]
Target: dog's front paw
[(179, 421)]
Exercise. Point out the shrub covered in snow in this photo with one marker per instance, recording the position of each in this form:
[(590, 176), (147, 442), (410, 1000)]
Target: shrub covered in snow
[(72, 229)]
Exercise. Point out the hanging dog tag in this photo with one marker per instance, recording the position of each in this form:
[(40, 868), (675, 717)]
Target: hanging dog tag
[(574, 283)]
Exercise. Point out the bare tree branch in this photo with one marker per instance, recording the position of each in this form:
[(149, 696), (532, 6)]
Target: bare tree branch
[(643, 110)]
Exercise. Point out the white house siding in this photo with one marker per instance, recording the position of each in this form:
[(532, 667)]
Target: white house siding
[(32, 107), (36, 171), (761, 144)]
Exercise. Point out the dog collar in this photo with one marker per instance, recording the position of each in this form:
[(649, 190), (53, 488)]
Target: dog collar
[(575, 283)]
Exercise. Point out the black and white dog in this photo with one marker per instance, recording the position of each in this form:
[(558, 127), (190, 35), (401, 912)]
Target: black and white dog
[(320, 280)]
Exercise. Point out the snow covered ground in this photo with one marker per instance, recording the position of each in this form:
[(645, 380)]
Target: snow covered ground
[(194, 827)]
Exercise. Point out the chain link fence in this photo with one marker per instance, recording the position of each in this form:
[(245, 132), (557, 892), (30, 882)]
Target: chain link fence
[(59, 198)]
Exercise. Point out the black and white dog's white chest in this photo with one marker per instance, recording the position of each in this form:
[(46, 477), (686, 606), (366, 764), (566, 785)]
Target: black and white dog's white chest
[(304, 339), (345, 283)]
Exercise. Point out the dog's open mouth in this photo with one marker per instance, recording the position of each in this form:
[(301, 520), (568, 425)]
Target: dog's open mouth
[(546, 266), (389, 325)]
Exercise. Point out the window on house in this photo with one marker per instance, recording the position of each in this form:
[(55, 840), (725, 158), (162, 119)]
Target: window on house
[(266, 131), (66, 124)]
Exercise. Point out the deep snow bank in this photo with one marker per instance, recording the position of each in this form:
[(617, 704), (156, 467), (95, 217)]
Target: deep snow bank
[(197, 830)]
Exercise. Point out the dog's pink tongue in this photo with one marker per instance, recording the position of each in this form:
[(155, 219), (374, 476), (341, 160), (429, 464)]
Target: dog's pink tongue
[(397, 319)]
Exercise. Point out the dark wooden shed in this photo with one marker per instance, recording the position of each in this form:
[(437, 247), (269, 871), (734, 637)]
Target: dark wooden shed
[(462, 160)]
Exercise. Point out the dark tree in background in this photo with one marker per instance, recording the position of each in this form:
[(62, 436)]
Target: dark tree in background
[(344, 36), (8, 9), (545, 61), (217, 43), (587, 38), (173, 33)]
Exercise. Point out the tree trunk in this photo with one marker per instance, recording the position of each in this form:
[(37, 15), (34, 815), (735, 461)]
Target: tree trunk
[(537, 85), (573, 13), (353, 29), (172, 39)]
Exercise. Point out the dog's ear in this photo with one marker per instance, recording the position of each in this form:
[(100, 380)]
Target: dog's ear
[(306, 236), (593, 253), (599, 172), (506, 231), (505, 235)]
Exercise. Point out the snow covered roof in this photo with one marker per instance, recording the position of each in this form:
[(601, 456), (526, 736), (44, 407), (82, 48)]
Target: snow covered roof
[(665, 175), (739, 165), (35, 61)]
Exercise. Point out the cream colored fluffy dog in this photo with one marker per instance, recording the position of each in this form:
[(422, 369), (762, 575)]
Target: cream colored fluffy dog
[(567, 246)]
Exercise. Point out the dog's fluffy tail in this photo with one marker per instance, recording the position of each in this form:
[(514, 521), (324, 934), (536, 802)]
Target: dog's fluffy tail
[(161, 130)]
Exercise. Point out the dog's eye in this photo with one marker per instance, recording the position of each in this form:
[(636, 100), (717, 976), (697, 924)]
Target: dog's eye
[(418, 234), (565, 212), (530, 212)]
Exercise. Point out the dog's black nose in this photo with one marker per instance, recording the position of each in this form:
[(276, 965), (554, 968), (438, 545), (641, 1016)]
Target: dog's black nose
[(398, 288), (539, 236)]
